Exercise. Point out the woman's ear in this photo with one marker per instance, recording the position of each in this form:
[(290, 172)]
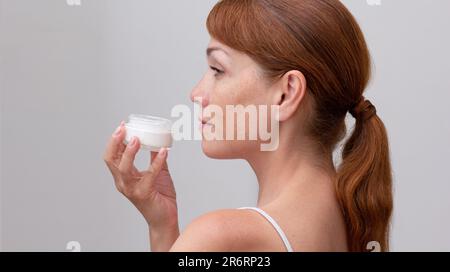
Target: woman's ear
[(290, 93)]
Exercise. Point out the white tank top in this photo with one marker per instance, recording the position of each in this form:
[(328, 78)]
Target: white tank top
[(274, 224)]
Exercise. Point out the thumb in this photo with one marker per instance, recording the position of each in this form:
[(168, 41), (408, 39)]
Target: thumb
[(158, 161), (155, 154)]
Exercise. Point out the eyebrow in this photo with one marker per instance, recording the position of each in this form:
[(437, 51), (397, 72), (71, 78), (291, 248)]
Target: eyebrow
[(210, 50)]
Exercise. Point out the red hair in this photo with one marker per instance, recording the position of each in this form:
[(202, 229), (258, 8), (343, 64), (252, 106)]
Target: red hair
[(322, 39)]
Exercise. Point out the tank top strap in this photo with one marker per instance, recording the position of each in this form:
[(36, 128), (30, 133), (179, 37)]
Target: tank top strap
[(274, 224)]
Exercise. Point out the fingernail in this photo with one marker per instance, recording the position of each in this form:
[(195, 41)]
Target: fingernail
[(133, 141), (162, 152), (118, 130)]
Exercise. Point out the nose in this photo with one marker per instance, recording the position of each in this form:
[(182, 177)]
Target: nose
[(198, 95)]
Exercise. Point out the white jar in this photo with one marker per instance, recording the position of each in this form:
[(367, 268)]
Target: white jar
[(154, 133)]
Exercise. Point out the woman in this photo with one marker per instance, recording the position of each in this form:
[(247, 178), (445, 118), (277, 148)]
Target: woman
[(309, 58)]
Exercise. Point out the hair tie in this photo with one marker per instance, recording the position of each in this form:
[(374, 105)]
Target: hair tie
[(364, 110)]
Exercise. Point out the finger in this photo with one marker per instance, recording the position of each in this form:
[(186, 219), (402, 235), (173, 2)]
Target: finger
[(159, 161), (126, 165), (164, 166), (115, 146)]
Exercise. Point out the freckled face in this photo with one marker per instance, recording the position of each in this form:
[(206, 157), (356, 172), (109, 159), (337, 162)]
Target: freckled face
[(232, 78)]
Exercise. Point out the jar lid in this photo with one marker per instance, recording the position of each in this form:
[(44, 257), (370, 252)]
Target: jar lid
[(149, 123)]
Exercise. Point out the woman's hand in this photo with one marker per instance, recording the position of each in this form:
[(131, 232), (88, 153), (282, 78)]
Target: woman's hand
[(151, 191)]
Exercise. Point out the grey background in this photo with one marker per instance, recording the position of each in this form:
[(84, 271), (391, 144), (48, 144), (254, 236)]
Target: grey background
[(70, 74)]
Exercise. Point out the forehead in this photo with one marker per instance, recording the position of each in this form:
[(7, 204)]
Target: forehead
[(239, 58), (213, 43)]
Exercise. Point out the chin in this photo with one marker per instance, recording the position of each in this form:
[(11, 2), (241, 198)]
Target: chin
[(216, 150), (219, 150), (227, 149)]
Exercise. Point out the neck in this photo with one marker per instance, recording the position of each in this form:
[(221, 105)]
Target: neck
[(294, 163)]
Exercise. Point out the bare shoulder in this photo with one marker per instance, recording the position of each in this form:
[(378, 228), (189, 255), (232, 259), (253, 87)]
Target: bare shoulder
[(221, 230)]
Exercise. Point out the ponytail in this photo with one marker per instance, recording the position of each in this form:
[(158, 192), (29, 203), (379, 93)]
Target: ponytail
[(364, 181)]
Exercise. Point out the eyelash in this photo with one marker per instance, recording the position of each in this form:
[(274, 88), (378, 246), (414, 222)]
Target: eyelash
[(218, 72)]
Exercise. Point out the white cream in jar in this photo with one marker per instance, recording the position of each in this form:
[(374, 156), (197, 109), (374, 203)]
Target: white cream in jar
[(153, 133)]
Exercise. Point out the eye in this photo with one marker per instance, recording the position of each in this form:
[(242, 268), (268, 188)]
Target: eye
[(217, 71)]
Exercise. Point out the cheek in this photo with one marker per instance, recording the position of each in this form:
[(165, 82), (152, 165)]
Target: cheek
[(247, 90)]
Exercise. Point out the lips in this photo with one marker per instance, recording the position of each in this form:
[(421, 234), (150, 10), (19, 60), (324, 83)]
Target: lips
[(204, 121)]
